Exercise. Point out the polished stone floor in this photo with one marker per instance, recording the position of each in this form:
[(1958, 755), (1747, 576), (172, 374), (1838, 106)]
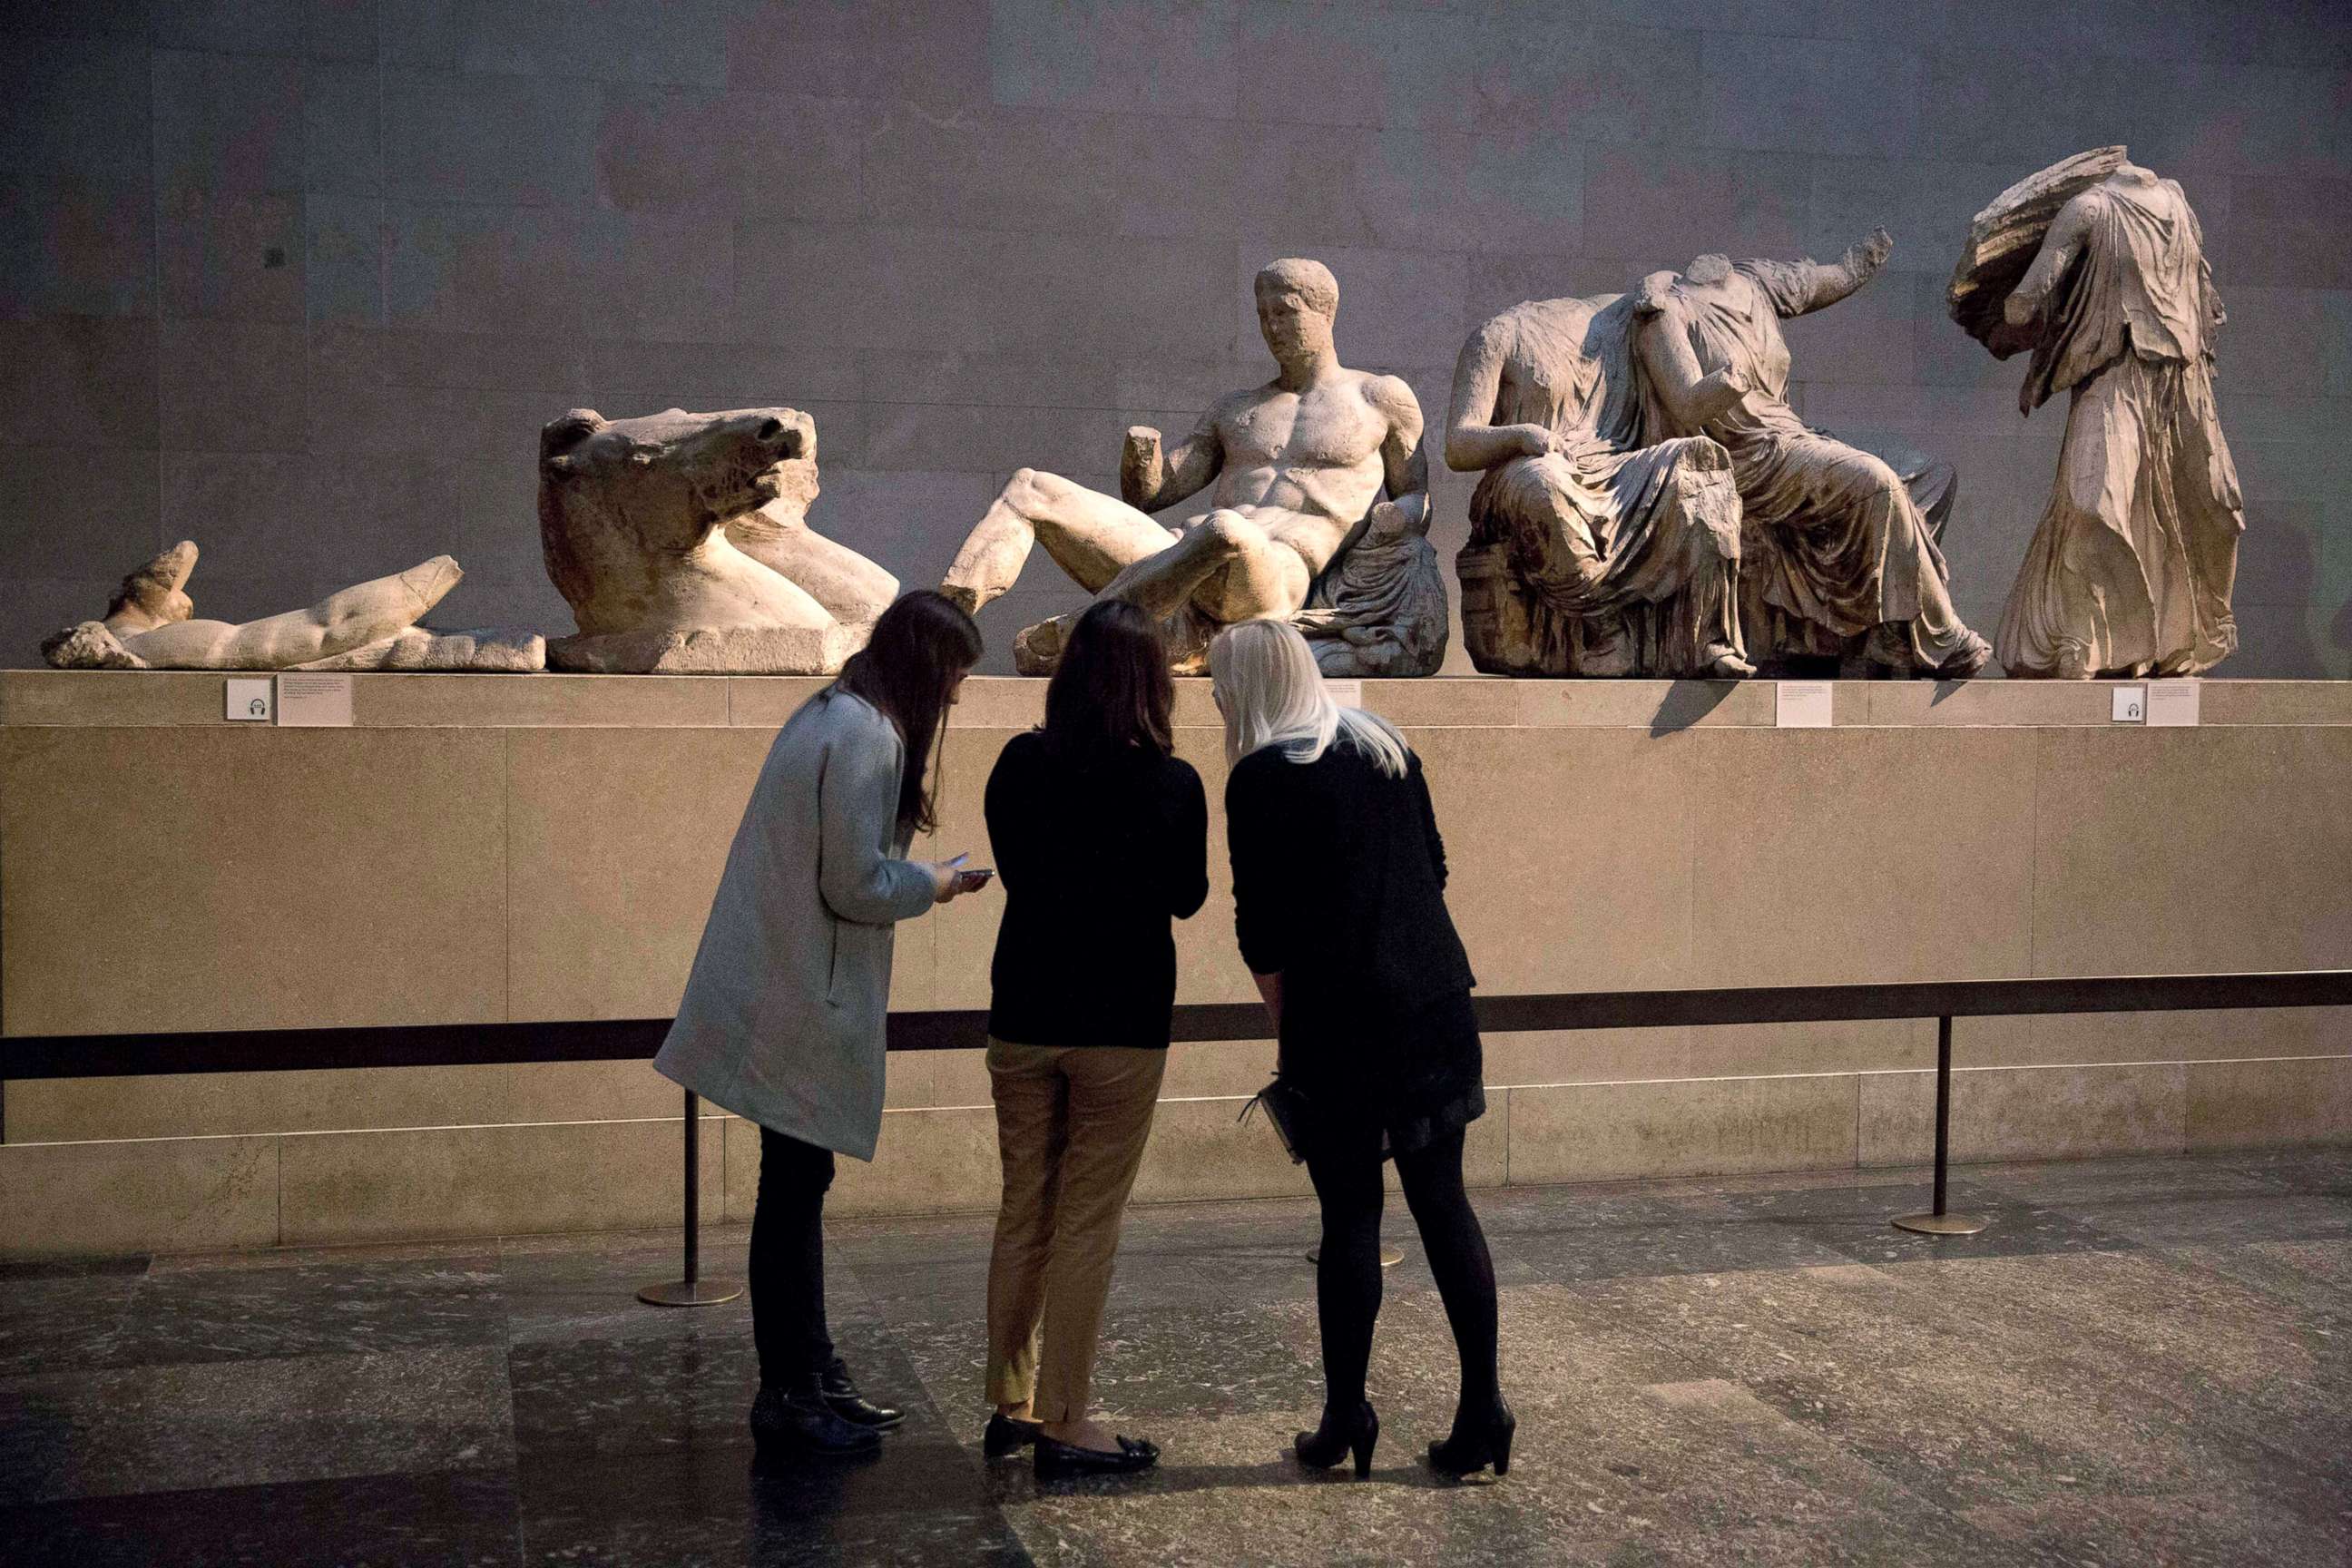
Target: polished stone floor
[(2141, 1362)]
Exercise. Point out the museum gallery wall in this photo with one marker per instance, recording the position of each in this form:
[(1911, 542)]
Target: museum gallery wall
[(351, 340)]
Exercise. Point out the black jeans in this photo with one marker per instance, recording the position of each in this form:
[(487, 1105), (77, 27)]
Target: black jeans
[(787, 1265), (1346, 1166)]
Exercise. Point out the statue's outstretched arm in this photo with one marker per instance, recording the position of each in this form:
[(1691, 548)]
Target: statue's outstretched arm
[(2060, 245), (1800, 288), (1473, 440), (1150, 479)]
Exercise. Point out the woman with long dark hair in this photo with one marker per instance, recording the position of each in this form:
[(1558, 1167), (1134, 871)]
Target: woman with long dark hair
[(1340, 901), (1100, 834), (783, 1017)]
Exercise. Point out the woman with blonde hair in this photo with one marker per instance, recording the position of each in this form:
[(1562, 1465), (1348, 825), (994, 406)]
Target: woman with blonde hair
[(1338, 895)]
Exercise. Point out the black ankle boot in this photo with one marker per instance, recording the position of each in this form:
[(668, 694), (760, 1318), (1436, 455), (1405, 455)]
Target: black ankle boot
[(842, 1397), (799, 1420), (1477, 1442), (1343, 1432)]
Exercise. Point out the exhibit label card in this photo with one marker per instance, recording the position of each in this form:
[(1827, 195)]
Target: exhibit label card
[(250, 699), (2128, 705), (1802, 705), (316, 701), (1346, 693), (2172, 703)]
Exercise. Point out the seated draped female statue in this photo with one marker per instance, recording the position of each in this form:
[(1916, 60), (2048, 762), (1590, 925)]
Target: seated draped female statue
[(1595, 549), (1838, 549)]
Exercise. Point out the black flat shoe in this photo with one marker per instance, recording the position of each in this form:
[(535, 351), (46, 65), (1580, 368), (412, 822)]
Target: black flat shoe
[(842, 1397), (1342, 1433), (1056, 1459), (1473, 1445), (1007, 1434), (800, 1421)]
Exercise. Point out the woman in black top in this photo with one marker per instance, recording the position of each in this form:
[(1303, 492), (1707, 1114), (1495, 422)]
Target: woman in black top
[(1101, 836), (1338, 895)]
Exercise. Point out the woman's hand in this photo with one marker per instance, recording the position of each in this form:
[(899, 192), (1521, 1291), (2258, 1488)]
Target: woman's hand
[(951, 879)]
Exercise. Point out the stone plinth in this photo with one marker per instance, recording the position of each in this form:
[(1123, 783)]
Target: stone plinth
[(479, 849)]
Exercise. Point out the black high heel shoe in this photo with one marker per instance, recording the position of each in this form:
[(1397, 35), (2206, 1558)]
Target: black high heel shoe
[(1342, 1433), (1473, 1445)]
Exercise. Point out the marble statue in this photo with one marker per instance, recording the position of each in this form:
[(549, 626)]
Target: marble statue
[(1593, 549), (152, 624), (1293, 469), (681, 542), (1838, 551), (1379, 608), (2099, 267)]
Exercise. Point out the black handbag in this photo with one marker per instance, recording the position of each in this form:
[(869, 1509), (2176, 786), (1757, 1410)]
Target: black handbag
[(1290, 1110)]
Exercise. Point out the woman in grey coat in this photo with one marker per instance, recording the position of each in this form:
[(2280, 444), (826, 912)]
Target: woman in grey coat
[(783, 1018)]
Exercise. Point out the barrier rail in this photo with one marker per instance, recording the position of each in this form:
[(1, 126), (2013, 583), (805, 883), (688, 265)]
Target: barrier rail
[(465, 1045)]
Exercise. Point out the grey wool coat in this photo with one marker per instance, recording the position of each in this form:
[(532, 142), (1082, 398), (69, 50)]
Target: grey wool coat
[(785, 1014)]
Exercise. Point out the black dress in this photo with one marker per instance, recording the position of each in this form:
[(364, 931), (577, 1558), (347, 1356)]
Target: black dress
[(1097, 854), (1339, 887)]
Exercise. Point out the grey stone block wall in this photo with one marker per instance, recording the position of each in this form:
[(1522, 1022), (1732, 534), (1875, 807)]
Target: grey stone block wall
[(302, 278)]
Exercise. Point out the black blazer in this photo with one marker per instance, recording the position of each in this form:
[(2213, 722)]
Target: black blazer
[(1339, 886), (1098, 855)]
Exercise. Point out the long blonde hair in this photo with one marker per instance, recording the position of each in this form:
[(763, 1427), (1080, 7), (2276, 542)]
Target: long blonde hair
[(1264, 678)]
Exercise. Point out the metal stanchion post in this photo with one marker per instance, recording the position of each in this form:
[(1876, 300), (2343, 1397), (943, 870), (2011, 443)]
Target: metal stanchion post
[(693, 1290), (1938, 1222)]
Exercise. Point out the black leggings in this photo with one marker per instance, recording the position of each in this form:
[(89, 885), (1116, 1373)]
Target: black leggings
[(787, 1265), (1347, 1173)]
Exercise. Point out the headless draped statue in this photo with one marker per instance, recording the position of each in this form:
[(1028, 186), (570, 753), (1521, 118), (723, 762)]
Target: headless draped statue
[(2131, 569), (1838, 549), (1595, 547), (1295, 470)]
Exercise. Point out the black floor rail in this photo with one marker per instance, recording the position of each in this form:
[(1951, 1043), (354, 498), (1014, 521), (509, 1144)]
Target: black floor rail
[(624, 1039)]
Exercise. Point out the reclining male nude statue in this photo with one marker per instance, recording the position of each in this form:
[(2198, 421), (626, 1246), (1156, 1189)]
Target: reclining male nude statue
[(1595, 547), (1838, 549), (152, 624), (681, 542), (1293, 470)]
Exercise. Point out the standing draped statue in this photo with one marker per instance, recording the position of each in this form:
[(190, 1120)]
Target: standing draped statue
[(2131, 569), (1595, 549), (1838, 550)]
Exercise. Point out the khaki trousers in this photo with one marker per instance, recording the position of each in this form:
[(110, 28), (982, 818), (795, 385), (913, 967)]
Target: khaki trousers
[(1071, 1123)]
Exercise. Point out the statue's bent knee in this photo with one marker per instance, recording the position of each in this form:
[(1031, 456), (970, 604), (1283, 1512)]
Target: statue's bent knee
[(1229, 533), (1028, 489)]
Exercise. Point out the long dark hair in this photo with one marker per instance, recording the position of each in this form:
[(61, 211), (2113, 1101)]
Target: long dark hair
[(918, 648), (1111, 691)]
